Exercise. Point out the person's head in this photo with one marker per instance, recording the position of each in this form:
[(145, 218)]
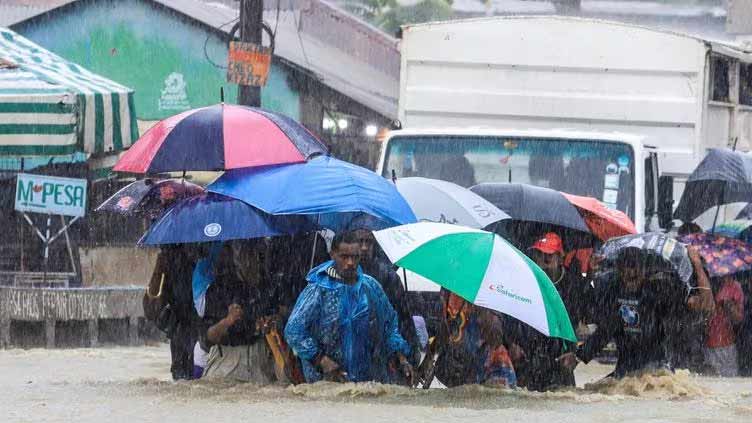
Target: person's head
[(366, 241), (689, 228), (346, 255), (548, 253), (632, 269), (458, 169), (248, 257)]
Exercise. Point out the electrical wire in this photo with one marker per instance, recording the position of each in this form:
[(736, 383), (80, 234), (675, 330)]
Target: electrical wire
[(276, 20), (206, 42)]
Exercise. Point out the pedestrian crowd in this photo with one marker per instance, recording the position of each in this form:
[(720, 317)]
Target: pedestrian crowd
[(302, 309)]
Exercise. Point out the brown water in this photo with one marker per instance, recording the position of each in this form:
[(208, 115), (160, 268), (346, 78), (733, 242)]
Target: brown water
[(112, 385)]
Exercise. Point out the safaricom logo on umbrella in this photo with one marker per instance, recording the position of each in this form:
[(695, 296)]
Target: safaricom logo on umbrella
[(499, 288)]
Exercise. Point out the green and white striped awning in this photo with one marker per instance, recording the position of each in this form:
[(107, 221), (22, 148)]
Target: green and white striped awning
[(50, 106)]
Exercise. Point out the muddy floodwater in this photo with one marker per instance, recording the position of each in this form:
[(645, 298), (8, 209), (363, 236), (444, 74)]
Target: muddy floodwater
[(132, 384)]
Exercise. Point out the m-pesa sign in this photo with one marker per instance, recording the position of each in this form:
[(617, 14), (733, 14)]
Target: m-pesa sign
[(51, 195)]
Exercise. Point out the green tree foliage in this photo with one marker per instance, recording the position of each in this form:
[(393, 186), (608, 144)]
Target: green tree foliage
[(389, 15)]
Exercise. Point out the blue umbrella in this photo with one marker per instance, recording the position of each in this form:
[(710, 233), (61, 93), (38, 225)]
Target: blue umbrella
[(337, 195), (212, 217)]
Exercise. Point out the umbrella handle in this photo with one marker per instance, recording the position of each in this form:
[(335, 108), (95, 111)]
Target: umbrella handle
[(404, 278), (313, 250)]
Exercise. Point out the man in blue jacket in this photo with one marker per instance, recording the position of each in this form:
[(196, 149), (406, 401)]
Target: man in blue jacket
[(343, 327)]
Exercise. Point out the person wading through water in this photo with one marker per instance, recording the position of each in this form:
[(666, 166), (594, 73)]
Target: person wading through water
[(168, 302), (236, 304), (374, 263), (470, 347), (544, 363), (641, 307), (343, 327)]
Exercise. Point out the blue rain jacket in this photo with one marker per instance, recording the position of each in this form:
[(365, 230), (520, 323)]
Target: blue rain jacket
[(352, 324)]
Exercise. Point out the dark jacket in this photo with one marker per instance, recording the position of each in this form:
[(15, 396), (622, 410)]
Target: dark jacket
[(641, 323), (540, 371), (384, 273)]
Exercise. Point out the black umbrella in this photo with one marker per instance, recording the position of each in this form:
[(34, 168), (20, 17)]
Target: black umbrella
[(668, 254), (745, 213), (535, 210), (149, 197), (723, 177)]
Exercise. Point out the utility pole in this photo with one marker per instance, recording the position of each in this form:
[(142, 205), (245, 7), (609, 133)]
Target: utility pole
[(251, 19)]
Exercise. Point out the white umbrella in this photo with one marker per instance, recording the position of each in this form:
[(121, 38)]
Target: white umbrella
[(439, 201)]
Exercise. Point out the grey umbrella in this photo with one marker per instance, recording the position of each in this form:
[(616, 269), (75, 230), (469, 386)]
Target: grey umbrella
[(723, 177), (535, 211)]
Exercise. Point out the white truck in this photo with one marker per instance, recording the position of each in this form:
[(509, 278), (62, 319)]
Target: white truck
[(583, 106)]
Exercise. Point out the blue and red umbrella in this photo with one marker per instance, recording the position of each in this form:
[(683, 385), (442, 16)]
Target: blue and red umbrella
[(220, 137)]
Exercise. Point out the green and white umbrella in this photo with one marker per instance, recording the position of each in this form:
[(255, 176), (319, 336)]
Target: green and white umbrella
[(482, 268)]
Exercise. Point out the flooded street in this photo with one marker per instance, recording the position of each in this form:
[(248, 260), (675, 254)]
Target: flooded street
[(101, 385)]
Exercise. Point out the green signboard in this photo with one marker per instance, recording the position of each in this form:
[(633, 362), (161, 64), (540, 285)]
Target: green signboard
[(172, 63)]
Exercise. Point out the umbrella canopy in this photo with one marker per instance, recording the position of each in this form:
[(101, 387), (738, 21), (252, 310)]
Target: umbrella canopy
[(604, 222), (434, 200), (723, 177), (533, 204), (482, 268), (220, 137), (723, 256), (148, 196), (739, 229), (332, 192), (50, 106), (671, 254), (745, 213), (535, 211), (211, 217)]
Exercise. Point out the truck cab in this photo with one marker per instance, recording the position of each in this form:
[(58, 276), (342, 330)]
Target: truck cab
[(617, 169)]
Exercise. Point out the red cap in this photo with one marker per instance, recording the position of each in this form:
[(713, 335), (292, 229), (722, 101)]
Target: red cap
[(548, 244)]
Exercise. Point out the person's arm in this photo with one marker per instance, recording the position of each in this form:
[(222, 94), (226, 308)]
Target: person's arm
[(217, 333), (297, 330), (156, 294), (395, 343), (606, 318), (404, 316), (734, 306), (299, 337), (595, 343), (734, 310), (703, 301)]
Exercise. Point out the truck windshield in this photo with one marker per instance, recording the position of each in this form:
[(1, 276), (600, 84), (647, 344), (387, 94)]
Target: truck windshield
[(599, 169)]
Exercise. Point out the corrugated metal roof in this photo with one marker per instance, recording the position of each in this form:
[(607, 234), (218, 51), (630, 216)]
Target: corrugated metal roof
[(13, 11)]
